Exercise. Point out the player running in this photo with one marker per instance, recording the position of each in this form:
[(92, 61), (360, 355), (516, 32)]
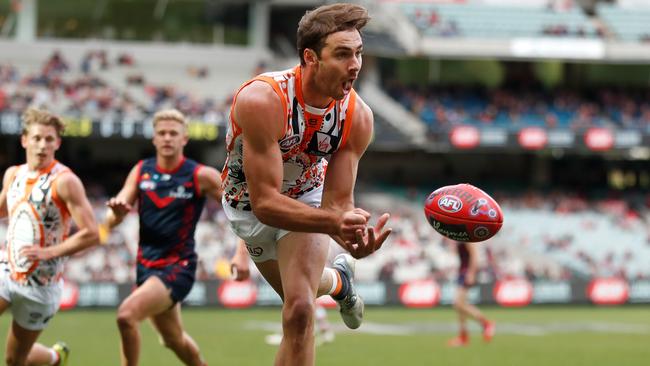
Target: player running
[(42, 198), (170, 191)]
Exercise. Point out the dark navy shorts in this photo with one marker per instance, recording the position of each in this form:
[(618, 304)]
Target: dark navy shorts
[(461, 281), (178, 277)]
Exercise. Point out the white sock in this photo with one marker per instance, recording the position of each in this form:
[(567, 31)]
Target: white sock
[(54, 357), (335, 279)]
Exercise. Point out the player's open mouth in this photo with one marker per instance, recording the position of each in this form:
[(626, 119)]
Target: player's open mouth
[(347, 85)]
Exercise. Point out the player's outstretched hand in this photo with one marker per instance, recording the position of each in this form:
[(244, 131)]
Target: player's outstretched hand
[(369, 240), (120, 207)]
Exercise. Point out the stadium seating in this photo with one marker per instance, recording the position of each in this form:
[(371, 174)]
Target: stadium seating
[(484, 21), (629, 25)]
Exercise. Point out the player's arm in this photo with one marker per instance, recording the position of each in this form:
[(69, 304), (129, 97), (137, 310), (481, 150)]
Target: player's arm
[(71, 191), (121, 204), (239, 264), (258, 111), (6, 181), (472, 268), (340, 180), (209, 182)]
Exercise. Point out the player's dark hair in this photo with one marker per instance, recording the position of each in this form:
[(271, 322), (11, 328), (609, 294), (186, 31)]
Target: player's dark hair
[(317, 24)]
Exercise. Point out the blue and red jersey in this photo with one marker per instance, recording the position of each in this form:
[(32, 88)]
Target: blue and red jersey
[(169, 205)]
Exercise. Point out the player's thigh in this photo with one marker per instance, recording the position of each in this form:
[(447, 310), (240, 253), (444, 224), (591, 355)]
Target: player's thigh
[(301, 259), (150, 298), (271, 273), (168, 323), (4, 305), (20, 341), (461, 295)]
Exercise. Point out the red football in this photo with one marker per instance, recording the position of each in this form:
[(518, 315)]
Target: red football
[(463, 212)]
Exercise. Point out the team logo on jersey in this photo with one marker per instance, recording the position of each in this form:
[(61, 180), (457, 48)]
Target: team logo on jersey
[(254, 251), (147, 185), (324, 143), (180, 192), (287, 142), (165, 177)]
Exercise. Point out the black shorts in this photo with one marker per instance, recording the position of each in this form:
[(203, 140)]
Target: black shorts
[(178, 277)]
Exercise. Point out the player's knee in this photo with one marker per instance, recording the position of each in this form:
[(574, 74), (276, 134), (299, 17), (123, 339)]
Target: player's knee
[(298, 314), (126, 318)]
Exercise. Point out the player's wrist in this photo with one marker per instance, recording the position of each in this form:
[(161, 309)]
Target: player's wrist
[(104, 231)]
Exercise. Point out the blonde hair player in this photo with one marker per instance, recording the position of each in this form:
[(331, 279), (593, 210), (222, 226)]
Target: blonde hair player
[(284, 128), (171, 191), (41, 197)]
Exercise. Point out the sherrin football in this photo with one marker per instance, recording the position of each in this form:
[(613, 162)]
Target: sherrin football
[(463, 212)]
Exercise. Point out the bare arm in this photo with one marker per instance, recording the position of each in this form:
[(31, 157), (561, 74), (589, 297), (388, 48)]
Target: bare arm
[(72, 193), (264, 171), (341, 178), (210, 182), (121, 204), (5, 188)]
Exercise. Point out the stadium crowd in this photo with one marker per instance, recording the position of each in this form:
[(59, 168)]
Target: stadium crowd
[(83, 92), (446, 106)]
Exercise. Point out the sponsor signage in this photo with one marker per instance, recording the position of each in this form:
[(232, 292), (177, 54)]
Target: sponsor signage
[(532, 138), (197, 295), (560, 138), (624, 139), (494, 137), (599, 139), (551, 292), (448, 294), (568, 48), (234, 294), (266, 295), (465, 137), (515, 292), (639, 292), (419, 294), (608, 291), (69, 295), (373, 293), (98, 294), (107, 127)]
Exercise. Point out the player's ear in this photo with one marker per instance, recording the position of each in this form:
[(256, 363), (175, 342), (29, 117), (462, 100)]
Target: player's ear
[(311, 58)]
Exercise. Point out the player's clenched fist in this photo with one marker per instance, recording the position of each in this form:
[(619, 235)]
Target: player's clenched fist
[(352, 221)]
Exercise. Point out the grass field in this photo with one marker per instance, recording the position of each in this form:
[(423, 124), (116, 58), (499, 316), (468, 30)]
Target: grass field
[(572, 336)]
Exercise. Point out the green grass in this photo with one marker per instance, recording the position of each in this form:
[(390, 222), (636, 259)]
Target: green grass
[(236, 337)]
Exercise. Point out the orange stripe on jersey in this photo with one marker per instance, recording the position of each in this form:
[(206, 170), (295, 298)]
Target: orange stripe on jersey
[(55, 195), (349, 117), (235, 127), (30, 181)]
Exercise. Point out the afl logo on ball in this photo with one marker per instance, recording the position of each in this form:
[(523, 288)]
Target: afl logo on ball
[(449, 203)]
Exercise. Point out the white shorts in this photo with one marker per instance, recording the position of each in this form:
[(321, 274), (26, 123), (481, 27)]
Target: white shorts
[(261, 239), (32, 307)]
